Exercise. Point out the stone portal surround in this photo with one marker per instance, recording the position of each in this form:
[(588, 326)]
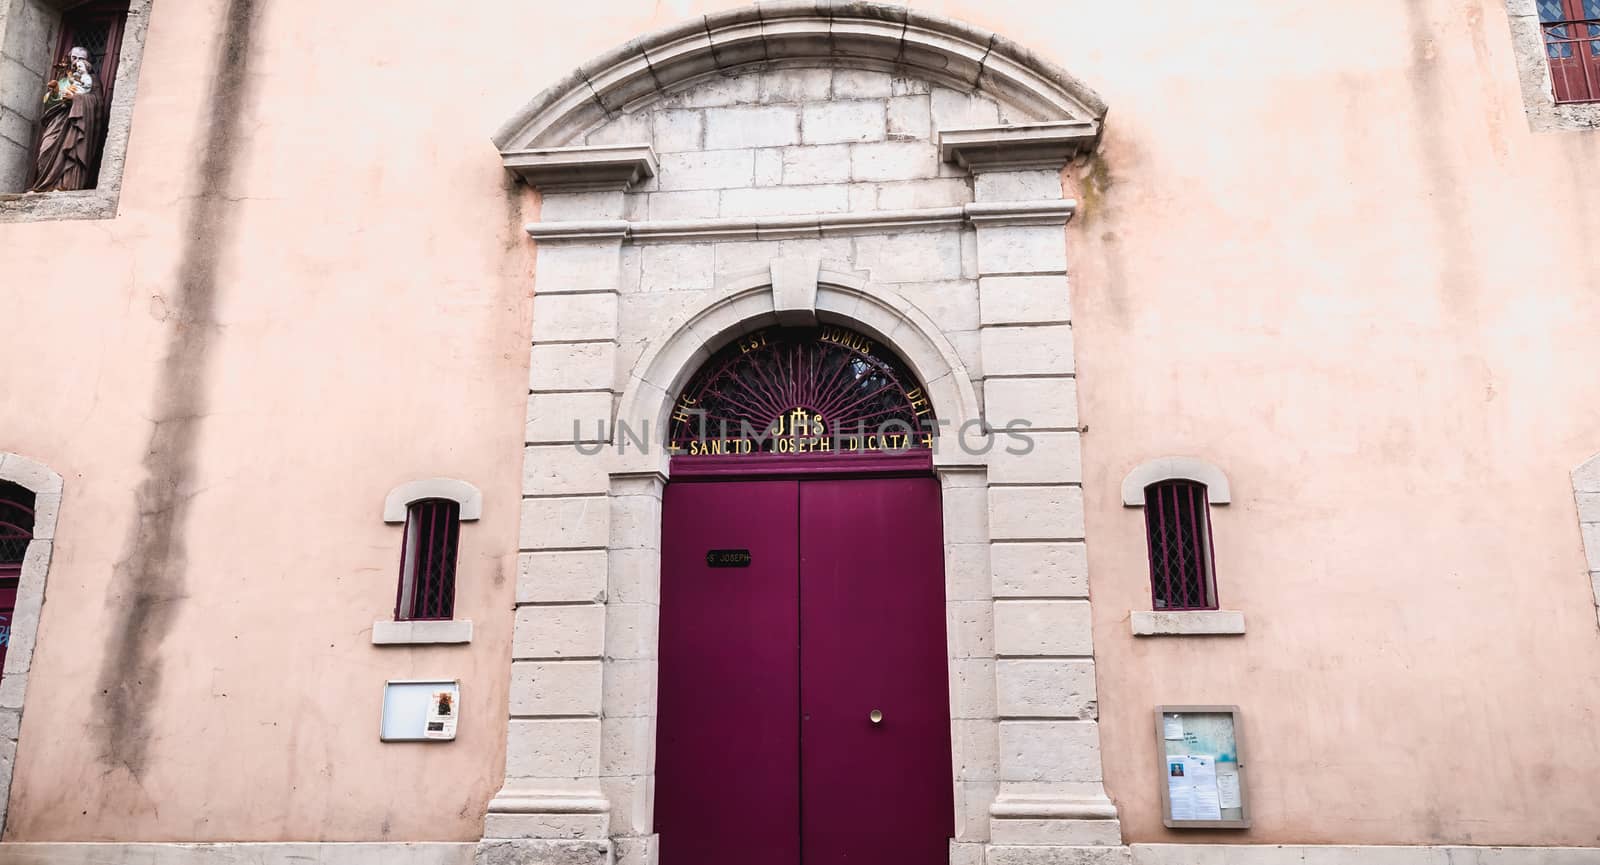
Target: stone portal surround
[(792, 164), (46, 487), (614, 327)]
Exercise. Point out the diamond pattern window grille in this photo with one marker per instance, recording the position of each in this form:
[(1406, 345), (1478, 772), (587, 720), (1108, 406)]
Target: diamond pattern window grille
[(1178, 529), (428, 560)]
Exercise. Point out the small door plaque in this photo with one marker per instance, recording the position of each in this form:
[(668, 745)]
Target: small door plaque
[(728, 558)]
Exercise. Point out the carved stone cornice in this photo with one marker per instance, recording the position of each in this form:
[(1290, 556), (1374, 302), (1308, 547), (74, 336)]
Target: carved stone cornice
[(582, 169), (1019, 147), (1043, 212)]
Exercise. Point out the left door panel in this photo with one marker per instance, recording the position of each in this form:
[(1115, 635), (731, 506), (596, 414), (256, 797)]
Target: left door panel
[(727, 727)]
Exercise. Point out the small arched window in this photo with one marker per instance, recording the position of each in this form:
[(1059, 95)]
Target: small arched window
[(16, 531), (1177, 523), (428, 560)]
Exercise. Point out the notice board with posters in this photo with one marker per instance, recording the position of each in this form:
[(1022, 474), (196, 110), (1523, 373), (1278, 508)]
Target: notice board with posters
[(1202, 768), (420, 710)]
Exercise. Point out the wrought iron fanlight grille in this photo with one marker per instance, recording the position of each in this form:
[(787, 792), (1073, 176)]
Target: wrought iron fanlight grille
[(818, 390)]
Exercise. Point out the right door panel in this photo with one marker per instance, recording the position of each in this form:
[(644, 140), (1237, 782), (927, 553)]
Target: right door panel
[(872, 637)]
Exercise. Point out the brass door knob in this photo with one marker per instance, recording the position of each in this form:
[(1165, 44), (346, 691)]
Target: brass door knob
[(875, 716)]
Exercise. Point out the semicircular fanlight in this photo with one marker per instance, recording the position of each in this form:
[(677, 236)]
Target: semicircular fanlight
[(811, 390)]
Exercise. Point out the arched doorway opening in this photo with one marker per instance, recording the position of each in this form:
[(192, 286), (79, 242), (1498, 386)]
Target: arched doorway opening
[(803, 711)]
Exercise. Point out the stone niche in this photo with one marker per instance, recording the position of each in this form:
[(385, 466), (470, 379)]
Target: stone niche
[(30, 32)]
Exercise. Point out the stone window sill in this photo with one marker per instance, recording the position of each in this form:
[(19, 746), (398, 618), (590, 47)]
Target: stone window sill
[(386, 633), (1187, 623), (43, 206)]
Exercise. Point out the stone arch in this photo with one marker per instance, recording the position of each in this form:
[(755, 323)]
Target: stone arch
[(747, 302), (46, 485), (1175, 468), (864, 34)]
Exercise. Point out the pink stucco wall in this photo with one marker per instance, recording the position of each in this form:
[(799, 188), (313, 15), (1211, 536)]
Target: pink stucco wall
[(1319, 249)]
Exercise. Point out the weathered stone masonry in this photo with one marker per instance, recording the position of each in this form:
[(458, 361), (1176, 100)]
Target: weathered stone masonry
[(873, 167)]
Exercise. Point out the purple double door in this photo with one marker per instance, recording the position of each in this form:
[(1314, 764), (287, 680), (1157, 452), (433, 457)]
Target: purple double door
[(804, 702)]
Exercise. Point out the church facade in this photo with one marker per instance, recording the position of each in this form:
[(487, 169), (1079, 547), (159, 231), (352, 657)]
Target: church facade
[(799, 433)]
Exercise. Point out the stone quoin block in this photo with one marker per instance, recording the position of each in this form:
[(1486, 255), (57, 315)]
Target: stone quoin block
[(1034, 628), (966, 515), (970, 628), (581, 366), (630, 687), (635, 522), (972, 687), (1029, 456), (560, 418), (1049, 751), (1031, 185), (634, 576), (563, 266), (632, 631), (556, 632), (1036, 513), (631, 805), (966, 572), (626, 746), (574, 317), (1046, 403), (565, 523), (1045, 350), (558, 577), (566, 748), (555, 688), (1045, 688), (1040, 569), (1022, 249), (975, 749), (973, 799), (1024, 299), (560, 206)]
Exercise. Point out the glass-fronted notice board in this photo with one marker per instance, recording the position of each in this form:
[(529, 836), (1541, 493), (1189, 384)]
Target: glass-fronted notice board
[(1202, 768)]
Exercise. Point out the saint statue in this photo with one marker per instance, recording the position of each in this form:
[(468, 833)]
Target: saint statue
[(71, 126)]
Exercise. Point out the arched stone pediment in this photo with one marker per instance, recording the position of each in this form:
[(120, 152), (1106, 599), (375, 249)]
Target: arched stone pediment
[(873, 36)]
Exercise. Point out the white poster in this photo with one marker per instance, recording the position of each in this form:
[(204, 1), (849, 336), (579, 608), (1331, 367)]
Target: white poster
[(1192, 787), (441, 716), (1228, 790), (1172, 727)]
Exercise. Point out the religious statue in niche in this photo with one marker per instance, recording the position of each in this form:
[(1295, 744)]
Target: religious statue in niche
[(71, 126)]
